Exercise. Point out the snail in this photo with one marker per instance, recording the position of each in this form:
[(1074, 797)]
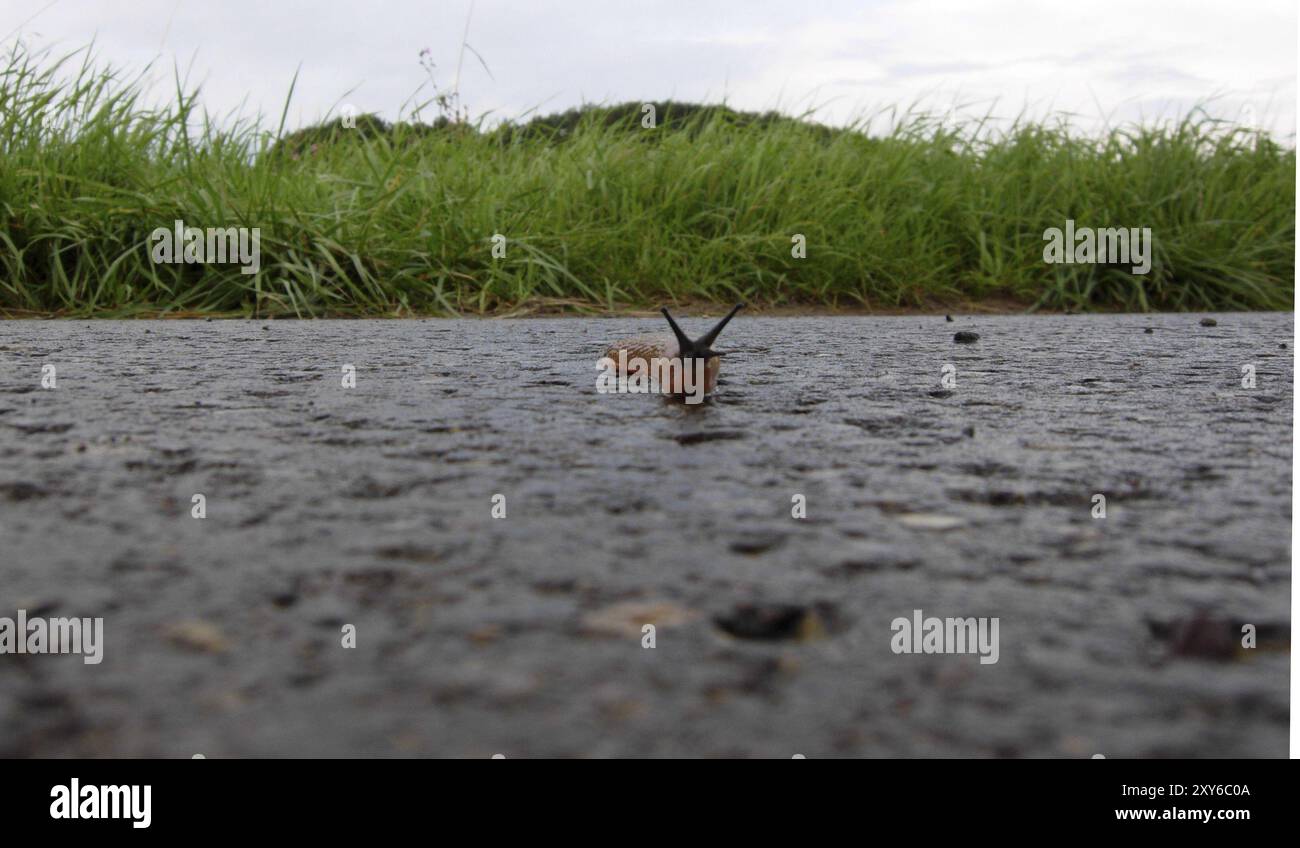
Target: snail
[(678, 365)]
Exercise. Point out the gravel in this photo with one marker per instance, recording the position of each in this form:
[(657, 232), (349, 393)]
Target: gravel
[(962, 491)]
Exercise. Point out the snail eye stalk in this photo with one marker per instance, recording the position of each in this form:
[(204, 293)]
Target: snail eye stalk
[(701, 346), (712, 335), (684, 344)]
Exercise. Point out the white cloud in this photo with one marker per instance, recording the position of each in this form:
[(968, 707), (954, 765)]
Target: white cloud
[(1109, 56)]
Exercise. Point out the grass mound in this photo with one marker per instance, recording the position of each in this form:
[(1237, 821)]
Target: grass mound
[(593, 210)]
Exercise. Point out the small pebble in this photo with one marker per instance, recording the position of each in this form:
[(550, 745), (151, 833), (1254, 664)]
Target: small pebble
[(966, 337), (1209, 322), (1203, 637), (930, 521), (757, 542), (626, 618), (197, 635), (773, 621)]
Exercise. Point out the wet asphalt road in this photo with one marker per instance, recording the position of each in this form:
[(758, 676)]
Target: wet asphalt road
[(372, 506)]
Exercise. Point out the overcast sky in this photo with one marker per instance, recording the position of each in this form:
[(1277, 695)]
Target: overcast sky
[(1122, 58)]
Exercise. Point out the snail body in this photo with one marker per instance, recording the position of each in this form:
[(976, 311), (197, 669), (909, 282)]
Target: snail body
[(635, 353)]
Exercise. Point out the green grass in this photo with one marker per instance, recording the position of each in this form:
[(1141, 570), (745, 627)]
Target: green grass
[(603, 214)]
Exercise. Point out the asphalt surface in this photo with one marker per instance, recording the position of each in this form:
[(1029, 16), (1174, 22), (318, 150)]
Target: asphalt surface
[(372, 507)]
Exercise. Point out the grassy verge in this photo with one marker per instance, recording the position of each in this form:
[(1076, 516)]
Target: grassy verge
[(606, 214)]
